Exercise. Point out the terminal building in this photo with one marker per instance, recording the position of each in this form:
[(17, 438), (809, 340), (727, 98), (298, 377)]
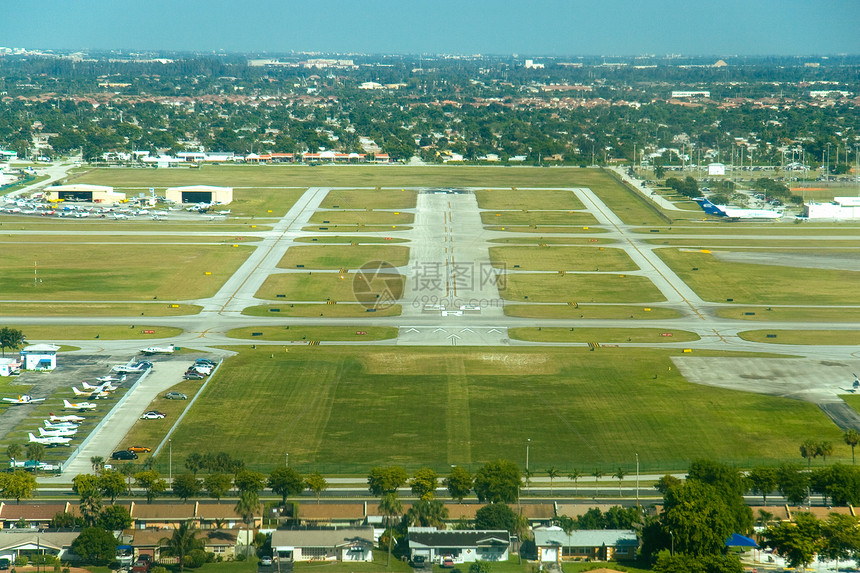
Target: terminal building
[(840, 209), (83, 193), (200, 194)]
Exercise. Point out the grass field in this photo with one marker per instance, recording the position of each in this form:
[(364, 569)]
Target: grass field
[(764, 229), (292, 333), (345, 239), (784, 314), (370, 199), (327, 310), (527, 199), (539, 241), (613, 312), (760, 284), (802, 242), (562, 258), (327, 286), (102, 332), (543, 218), (133, 239), (579, 288), (111, 225), (441, 405), (356, 228), (96, 309), (601, 335), (813, 337), (361, 218), (544, 229), (263, 202), (343, 256), (113, 272)]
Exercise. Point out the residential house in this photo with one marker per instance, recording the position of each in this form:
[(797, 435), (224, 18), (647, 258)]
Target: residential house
[(350, 544), (462, 546), (33, 542), (554, 545)]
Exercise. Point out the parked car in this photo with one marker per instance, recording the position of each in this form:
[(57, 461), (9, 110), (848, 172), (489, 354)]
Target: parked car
[(447, 563), (139, 449), (153, 415), (124, 455), (193, 375), (205, 361), (175, 396), (266, 561)]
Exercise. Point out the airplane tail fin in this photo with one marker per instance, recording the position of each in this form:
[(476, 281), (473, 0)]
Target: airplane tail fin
[(67, 404), (77, 392), (87, 386), (710, 208), (33, 438)]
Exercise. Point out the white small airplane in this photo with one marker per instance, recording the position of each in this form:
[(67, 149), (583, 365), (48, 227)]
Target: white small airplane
[(95, 394), (65, 419), (120, 216), (106, 387), (60, 425), (46, 432), (128, 369), (108, 378), (50, 440), (79, 405), (25, 399), (149, 350)]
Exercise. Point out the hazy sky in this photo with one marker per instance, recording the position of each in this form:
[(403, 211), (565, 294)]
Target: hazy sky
[(526, 27)]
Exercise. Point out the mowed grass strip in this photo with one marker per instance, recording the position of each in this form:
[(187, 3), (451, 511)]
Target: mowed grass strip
[(551, 258), (149, 433), (343, 256), (763, 228), (114, 272), (579, 288), (544, 229), (361, 218), (356, 228), (528, 199), (370, 199), (804, 242), (601, 335), (586, 311), (42, 224), (102, 332), (97, 309), (791, 314), (810, 337), (262, 202), (130, 239), (748, 283), (580, 409), (293, 333), (543, 218), (345, 239), (553, 240), (629, 205), (332, 286), (324, 310)]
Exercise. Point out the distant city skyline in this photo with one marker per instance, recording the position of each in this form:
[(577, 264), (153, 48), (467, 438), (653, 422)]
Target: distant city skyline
[(539, 27)]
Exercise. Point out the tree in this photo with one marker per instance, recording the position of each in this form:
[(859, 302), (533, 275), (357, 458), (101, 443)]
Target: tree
[(698, 517), (217, 485), (684, 563), (762, 480), (115, 518), (248, 481), (152, 482), (14, 451), (840, 537), (127, 470), (424, 483), (194, 462), (10, 338), (498, 481), (808, 451), (248, 505), (35, 452), (90, 506), (111, 484), (459, 483), (186, 485), (798, 542), (619, 475), (824, 449), (498, 516), (574, 477), (597, 475), (19, 484), (383, 480), (64, 520), (84, 484), (792, 483), (840, 482), (664, 483), (552, 473), (851, 437), (427, 513), (95, 546), (390, 507), (181, 543), (98, 464), (316, 483), (527, 477), (285, 481)]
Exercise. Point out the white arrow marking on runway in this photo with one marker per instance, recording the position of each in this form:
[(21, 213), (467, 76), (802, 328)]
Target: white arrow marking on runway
[(440, 330), (496, 330), (412, 329), (468, 330)]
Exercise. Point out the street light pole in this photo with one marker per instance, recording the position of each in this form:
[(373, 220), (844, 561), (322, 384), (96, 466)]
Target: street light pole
[(528, 443), (170, 459), (288, 459), (637, 479)]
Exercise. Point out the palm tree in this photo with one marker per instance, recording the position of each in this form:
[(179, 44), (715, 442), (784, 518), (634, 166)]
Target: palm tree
[(10, 338), (91, 507), (98, 464), (824, 449), (247, 505), (183, 542), (597, 475), (808, 450), (619, 475), (528, 475), (35, 452), (14, 450), (427, 513), (128, 470), (552, 473), (574, 476), (390, 507), (851, 437)]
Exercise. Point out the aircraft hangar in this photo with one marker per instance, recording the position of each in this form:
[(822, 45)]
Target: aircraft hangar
[(200, 194), (83, 193)]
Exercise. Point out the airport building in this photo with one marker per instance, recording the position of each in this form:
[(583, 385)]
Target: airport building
[(200, 194), (40, 356), (840, 209), (83, 193)]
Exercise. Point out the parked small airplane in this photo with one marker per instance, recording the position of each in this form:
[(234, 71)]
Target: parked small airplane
[(78, 406), (25, 399), (149, 350), (71, 418), (94, 394), (60, 425), (106, 387), (46, 432), (108, 378), (128, 368), (51, 441)]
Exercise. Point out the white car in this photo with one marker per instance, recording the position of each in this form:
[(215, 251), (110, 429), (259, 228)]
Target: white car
[(266, 561), (152, 415)]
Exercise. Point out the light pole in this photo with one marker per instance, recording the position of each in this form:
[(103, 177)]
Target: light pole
[(170, 460), (288, 459), (528, 443), (637, 479)]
